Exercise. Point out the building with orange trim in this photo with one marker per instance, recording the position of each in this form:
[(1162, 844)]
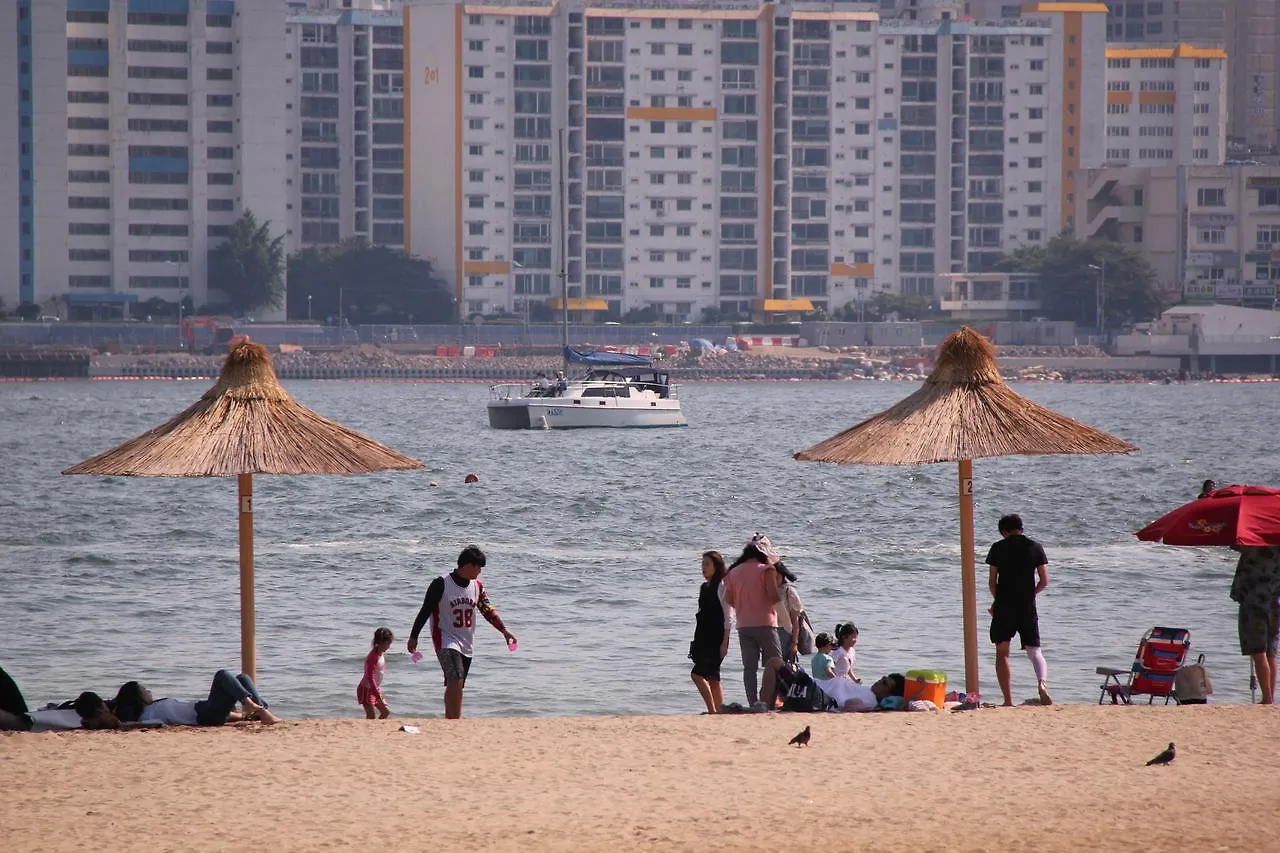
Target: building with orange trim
[(1166, 105), (720, 156)]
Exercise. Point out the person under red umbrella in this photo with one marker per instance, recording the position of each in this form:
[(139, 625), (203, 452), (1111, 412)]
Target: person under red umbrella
[(1247, 519), (1256, 588)]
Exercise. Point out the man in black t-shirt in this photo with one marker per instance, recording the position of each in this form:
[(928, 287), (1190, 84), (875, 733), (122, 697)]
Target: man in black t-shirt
[(1019, 572)]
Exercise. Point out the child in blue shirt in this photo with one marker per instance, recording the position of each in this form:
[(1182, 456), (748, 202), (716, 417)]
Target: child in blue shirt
[(821, 665)]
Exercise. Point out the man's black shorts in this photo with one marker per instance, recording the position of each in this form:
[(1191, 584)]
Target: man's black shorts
[(455, 664), (1023, 621)]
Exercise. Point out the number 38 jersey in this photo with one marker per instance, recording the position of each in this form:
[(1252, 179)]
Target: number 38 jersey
[(454, 624)]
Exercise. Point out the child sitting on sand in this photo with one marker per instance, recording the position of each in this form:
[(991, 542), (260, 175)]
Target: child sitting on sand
[(821, 665), (369, 692), (843, 657)]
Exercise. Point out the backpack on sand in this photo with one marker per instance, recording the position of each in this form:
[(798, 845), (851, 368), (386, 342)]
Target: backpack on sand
[(799, 691), (1191, 684)]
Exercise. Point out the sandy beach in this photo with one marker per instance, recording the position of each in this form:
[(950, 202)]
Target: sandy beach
[(1035, 779)]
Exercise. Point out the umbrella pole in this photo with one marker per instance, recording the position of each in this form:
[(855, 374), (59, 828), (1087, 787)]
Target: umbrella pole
[(969, 580), (248, 661)]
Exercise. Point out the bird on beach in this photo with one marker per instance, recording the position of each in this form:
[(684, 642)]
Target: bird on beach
[(802, 739), (1165, 757)]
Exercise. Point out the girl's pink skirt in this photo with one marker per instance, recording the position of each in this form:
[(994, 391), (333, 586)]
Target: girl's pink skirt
[(366, 694)]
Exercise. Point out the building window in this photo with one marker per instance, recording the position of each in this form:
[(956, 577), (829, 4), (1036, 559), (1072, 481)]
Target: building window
[(1206, 197)]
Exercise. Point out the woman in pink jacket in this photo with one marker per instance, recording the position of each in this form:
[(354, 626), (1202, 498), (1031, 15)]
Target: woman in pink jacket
[(751, 590)]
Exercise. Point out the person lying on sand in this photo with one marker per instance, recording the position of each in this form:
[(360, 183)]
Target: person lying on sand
[(852, 696), (135, 703)]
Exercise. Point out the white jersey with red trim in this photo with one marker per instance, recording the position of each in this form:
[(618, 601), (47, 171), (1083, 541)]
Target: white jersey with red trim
[(453, 625)]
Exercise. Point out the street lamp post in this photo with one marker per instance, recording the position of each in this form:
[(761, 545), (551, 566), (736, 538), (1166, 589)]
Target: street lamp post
[(519, 266), (308, 307), (178, 264), (1099, 298)]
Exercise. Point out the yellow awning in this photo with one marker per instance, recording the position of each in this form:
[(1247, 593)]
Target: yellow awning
[(773, 306), (587, 304)]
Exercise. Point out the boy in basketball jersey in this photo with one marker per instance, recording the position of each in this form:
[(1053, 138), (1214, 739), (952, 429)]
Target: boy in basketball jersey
[(451, 603)]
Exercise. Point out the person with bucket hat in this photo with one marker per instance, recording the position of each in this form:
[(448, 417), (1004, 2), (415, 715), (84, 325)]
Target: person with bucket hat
[(751, 590)]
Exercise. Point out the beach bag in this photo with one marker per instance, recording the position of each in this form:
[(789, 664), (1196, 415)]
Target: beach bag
[(801, 692), (1191, 684), (804, 643)]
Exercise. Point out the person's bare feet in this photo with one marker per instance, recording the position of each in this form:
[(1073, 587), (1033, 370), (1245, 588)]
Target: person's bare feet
[(1045, 698), (262, 714)]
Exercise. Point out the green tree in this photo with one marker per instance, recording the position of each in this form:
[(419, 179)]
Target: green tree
[(249, 267), (1072, 271), (366, 284), (646, 315), (907, 306)]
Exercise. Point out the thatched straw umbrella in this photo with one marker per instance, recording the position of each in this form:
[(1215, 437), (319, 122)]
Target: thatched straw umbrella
[(964, 411), (246, 424)]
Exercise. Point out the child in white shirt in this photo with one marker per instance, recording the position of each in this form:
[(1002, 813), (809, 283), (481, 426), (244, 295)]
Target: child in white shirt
[(843, 657)]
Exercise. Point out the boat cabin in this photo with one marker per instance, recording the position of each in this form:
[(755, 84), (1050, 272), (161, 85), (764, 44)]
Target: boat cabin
[(617, 381)]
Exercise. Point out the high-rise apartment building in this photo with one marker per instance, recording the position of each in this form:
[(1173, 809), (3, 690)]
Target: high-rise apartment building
[(1204, 21), (739, 157), (347, 173), (1253, 92), (136, 132), (1165, 105), (1248, 30)]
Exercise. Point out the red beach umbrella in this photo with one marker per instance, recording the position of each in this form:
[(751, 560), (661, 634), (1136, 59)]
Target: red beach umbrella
[(1235, 515)]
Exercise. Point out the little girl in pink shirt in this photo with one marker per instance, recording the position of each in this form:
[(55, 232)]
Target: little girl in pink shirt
[(369, 691)]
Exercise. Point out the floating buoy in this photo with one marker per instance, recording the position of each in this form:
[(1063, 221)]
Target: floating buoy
[(471, 478)]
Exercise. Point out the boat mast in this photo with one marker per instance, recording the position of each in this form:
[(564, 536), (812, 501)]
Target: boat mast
[(564, 254)]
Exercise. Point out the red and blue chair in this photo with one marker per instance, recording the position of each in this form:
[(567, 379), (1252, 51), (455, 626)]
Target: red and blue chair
[(1160, 652)]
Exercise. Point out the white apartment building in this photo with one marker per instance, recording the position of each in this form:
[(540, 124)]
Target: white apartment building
[(1211, 232), (1205, 21), (138, 131), (1166, 105), (347, 81), (737, 156)]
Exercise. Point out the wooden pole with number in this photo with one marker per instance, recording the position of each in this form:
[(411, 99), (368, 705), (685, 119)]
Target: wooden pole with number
[(969, 580), (248, 655)]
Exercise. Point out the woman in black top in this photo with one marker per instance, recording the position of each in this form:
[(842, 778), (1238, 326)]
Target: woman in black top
[(710, 636)]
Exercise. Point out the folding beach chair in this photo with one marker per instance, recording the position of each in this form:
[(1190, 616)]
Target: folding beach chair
[(1160, 652)]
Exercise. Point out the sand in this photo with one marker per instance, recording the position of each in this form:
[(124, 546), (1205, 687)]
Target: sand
[(1034, 779)]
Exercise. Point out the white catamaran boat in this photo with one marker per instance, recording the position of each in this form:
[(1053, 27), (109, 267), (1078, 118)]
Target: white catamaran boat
[(617, 390)]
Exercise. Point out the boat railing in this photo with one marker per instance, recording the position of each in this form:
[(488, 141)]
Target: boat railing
[(509, 390)]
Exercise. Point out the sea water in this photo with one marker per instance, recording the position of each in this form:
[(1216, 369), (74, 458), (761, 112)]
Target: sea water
[(593, 539)]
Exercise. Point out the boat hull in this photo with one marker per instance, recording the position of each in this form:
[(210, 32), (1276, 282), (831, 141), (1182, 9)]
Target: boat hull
[(564, 413)]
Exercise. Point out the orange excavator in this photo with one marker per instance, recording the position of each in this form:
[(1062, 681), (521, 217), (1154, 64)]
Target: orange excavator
[(216, 335)]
